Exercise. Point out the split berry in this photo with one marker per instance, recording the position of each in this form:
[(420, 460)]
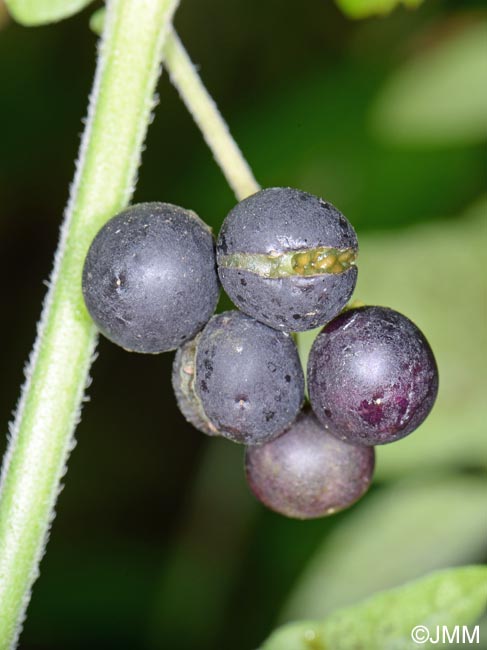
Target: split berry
[(240, 379), (287, 258), (308, 473), (372, 376), (183, 382), (149, 279)]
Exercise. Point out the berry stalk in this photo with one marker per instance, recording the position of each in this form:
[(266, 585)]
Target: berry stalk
[(203, 109), (212, 125), (42, 433), (205, 113)]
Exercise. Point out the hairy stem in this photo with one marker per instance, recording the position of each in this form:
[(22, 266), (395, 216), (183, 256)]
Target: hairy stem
[(42, 433), (203, 109), (205, 113)]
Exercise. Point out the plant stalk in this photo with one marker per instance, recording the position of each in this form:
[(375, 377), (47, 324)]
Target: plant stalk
[(42, 434), (205, 113), (216, 134)]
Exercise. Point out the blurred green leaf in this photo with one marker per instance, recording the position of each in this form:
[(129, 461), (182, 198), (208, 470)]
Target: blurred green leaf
[(40, 12), (97, 20), (207, 553), (431, 273), (364, 8), (447, 598), (433, 277), (440, 97), (317, 138), (404, 532)]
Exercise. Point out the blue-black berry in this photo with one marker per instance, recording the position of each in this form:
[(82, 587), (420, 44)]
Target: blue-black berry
[(372, 376), (149, 279), (240, 379), (307, 473), (287, 258)]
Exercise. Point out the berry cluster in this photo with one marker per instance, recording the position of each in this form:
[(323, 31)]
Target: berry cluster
[(287, 260)]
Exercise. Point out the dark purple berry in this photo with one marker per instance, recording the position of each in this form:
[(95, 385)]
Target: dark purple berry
[(149, 279), (372, 376), (287, 258), (240, 379), (308, 473)]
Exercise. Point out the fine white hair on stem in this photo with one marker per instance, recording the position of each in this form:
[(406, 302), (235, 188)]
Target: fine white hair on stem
[(121, 107), (42, 433)]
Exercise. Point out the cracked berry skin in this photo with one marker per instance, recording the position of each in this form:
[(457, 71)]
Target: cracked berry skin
[(248, 378), (149, 278), (278, 221), (307, 473), (183, 382), (372, 376)]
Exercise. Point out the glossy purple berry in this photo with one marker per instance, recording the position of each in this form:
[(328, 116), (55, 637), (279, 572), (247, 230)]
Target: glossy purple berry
[(149, 279), (307, 473), (372, 376), (240, 379), (287, 258)]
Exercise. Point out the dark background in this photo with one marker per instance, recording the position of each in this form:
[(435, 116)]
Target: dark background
[(157, 542)]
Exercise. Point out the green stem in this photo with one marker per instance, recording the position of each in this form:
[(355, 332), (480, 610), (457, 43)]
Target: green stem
[(205, 113), (49, 408)]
